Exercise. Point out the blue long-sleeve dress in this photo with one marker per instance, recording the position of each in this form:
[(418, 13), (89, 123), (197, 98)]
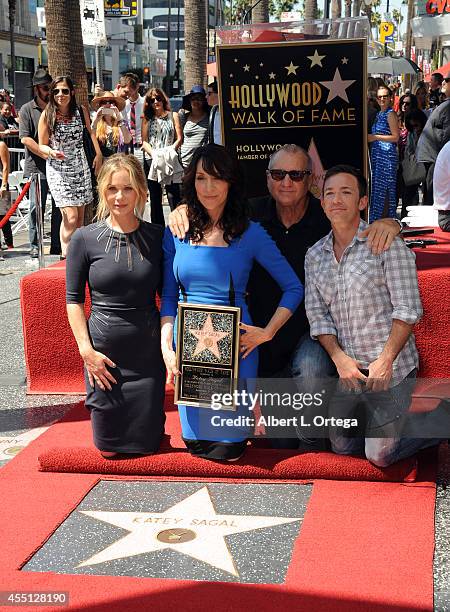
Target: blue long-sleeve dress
[(205, 274), (384, 160)]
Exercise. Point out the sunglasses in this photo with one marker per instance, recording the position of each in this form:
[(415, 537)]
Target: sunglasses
[(155, 99), (64, 91), (44, 87), (383, 97), (295, 175)]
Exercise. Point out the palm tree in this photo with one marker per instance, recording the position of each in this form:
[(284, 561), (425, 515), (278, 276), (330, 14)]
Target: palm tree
[(260, 14), (12, 19), (310, 9), (397, 18), (65, 44), (195, 42)]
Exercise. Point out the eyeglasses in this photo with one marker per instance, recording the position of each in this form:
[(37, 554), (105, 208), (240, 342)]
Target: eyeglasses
[(295, 175), (383, 97), (155, 99), (64, 91)]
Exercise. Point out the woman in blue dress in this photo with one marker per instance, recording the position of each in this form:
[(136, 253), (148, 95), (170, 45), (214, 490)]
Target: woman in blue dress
[(211, 266), (384, 158)]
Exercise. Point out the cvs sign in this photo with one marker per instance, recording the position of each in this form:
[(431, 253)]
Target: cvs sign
[(438, 7)]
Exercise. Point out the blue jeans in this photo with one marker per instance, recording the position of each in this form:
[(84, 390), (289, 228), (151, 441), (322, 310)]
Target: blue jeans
[(310, 369), (384, 413), (310, 361)]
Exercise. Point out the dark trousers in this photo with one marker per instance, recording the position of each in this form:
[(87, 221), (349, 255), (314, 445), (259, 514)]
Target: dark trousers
[(156, 209), (55, 245), (7, 232), (428, 192)]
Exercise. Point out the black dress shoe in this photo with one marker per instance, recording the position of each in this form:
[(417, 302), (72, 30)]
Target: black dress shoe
[(34, 253)]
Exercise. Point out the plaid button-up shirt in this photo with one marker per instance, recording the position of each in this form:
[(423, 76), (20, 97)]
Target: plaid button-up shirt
[(356, 298)]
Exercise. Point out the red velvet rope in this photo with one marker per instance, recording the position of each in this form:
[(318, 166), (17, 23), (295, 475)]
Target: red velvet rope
[(13, 208)]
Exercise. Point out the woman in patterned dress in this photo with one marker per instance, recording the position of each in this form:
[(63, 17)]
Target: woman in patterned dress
[(384, 158), (61, 141), (161, 128)]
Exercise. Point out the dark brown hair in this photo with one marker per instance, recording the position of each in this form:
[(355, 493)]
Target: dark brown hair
[(347, 169), (217, 162), (52, 107), (148, 110)]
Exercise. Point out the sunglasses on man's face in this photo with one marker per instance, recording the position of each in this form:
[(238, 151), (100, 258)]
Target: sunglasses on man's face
[(63, 92), (44, 87), (295, 175), (383, 97), (155, 99)]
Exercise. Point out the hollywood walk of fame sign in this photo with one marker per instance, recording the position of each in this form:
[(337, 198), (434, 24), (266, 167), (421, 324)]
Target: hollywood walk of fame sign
[(311, 93), (207, 353)]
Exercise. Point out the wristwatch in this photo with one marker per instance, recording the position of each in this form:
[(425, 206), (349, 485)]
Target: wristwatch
[(401, 224)]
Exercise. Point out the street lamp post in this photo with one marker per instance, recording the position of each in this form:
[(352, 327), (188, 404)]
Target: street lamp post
[(12, 19), (169, 17)]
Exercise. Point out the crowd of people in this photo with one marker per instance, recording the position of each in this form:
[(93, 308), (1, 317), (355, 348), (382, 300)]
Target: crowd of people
[(406, 134), (263, 256)]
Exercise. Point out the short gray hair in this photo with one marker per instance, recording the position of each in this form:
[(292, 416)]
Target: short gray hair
[(293, 149)]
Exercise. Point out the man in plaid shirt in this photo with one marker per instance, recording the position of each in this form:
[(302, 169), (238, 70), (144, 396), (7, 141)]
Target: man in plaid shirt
[(362, 308)]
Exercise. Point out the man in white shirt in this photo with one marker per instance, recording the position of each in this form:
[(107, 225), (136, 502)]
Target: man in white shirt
[(441, 181), (128, 88)]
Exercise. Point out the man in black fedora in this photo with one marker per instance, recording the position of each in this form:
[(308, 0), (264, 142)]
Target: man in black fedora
[(29, 116)]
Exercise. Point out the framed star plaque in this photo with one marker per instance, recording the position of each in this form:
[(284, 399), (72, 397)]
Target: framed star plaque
[(207, 353)]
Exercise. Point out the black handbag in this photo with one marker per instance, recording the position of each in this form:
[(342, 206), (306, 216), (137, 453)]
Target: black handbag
[(88, 145)]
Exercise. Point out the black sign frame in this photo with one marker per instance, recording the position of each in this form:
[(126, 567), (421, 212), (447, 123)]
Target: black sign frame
[(259, 113)]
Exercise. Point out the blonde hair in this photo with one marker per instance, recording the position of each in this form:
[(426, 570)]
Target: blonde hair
[(138, 182), (102, 130)]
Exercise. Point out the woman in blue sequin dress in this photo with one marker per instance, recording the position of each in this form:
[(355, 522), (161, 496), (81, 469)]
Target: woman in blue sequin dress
[(384, 159), (211, 266)]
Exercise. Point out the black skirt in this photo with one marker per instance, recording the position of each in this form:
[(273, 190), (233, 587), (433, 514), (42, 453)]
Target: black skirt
[(129, 418)]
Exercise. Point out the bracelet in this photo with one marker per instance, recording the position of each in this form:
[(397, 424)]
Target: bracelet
[(400, 223)]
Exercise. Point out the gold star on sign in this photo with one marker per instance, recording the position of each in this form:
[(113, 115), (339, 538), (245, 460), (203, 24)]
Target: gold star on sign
[(261, 64), (344, 60), (271, 75), (208, 338), (235, 60), (316, 59), (256, 77), (231, 76), (291, 69), (246, 68)]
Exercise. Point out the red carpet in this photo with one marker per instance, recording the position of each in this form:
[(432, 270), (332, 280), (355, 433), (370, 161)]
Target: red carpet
[(258, 463), (54, 365), (363, 547)]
